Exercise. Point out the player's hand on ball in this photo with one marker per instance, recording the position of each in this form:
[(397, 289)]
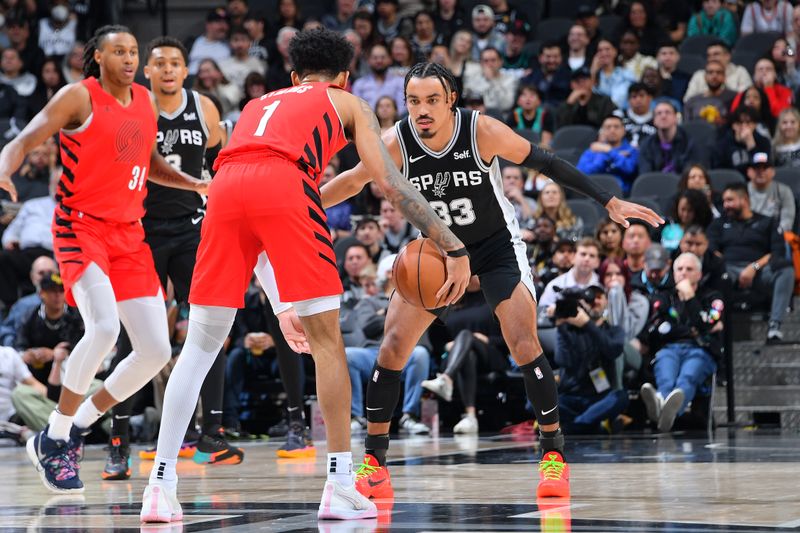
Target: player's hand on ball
[(620, 211), (458, 275), (293, 332)]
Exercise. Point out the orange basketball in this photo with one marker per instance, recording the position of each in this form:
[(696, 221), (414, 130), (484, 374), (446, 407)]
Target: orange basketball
[(419, 273)]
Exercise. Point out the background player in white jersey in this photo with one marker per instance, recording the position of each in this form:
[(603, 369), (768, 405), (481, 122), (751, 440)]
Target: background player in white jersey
[(451, 156)]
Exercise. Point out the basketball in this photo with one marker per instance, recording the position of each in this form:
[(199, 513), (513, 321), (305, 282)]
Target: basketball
[(419, 273)]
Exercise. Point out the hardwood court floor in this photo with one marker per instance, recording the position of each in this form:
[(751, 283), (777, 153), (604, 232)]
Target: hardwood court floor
[(738, 482)]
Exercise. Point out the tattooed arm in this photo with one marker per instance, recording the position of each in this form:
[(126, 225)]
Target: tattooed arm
[(360, 120)]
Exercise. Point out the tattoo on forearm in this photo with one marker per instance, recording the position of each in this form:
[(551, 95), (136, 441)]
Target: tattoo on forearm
[(407, 199)]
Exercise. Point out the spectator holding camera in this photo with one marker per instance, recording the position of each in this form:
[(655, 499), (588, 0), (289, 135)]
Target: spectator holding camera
[(754, 251), (582, 274), (685, 331), (586, 352)]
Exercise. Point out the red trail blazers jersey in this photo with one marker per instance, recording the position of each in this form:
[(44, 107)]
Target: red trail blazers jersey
[(302, 137), (107, 159)]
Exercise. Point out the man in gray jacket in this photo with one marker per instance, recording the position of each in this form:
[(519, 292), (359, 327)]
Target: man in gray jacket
[(767, 196)]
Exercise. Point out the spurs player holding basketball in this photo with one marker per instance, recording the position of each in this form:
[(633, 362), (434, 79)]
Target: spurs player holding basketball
[(451, 156), (107, 128), (265, 199)]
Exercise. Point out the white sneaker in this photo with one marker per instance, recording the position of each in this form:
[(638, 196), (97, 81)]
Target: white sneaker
[(358, 424), (468, 424), (441, 386), (652, 401), (160, 504), (672, 405), (340, 503), (412, 426)]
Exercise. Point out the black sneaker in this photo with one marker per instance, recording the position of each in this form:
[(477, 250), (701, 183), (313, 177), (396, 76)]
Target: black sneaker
[(214, 449), (118, 464), (298, 443), (281, 429)]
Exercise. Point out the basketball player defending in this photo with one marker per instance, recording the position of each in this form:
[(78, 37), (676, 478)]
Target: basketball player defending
[(107, 129), (187, 123), (264, 198), (451, 156)]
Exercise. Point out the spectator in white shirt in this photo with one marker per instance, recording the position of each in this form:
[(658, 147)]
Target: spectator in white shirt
[(212, 44)]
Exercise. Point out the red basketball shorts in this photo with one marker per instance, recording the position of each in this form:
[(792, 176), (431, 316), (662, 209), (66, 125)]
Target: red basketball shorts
[(272, 206), (118, 248)]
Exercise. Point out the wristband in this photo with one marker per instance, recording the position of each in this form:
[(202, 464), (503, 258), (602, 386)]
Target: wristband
[(461, 252)]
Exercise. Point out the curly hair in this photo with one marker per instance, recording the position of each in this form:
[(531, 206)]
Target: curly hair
[(698, 203), (320, 51), (90, 67), (168, 42)]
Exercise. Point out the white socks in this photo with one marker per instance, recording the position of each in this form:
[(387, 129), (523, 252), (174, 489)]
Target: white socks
[(340, 468), (87, 414), (208, 328), (60, 424), (163, 472)]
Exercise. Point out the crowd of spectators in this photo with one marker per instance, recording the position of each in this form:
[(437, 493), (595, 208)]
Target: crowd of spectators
[(698, 95)]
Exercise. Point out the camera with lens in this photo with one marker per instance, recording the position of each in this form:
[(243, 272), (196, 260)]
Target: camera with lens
[(567, 305)]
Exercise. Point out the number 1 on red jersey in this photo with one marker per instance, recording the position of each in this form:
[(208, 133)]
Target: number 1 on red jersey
[(268, 111)]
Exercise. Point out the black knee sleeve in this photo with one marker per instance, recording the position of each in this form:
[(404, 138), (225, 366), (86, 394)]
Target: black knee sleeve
[(540, 386), (383, 392)]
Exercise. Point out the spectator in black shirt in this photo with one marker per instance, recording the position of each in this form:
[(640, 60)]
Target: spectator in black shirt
[(685, 328), (695, 241), (583, 105), (279, 73), (754, 251), (657, 273), (551, 75), (12, 106), (670, 149), (638, 118), (741, 141), (19, 34), (448, 19), (586, 355), (49, 328)]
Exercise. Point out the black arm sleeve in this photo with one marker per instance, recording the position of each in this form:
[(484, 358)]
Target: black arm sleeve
[(565, 174), (210, 156)]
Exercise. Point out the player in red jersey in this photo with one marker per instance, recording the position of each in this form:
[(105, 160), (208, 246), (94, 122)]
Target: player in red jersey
[(265, 199), (107, 128)]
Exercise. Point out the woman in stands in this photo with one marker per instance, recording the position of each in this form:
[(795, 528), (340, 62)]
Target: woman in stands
[(477, 348), (551, 202), (609, 77), (626, 308), (690, 208), (211, 80), (531, 115), (609, 234), (757, 99), (386, 111), (786, 143), (696, 177)]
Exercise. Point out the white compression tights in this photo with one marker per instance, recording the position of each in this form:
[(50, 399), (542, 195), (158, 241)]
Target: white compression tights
[(209, 326), (144, 318)]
